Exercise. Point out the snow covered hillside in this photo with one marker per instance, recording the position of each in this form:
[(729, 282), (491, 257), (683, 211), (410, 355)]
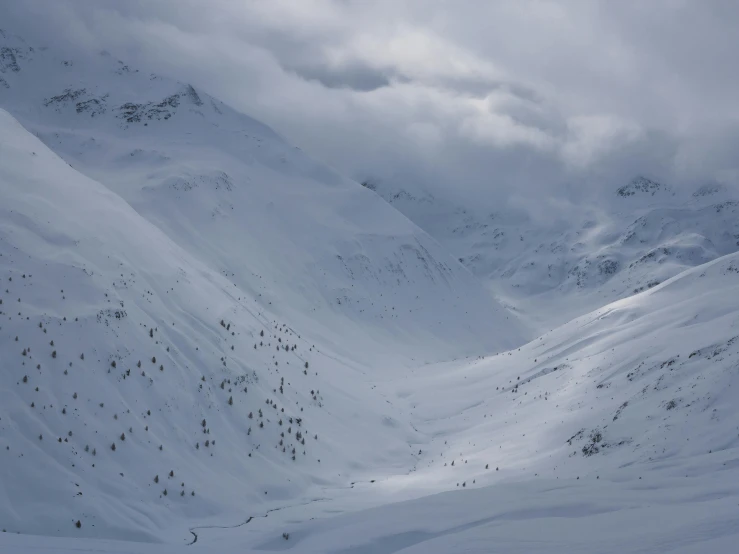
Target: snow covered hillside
[(209, 339), (614, 433), (280, 226), (618, 432), (193, 311), (141, 389), (554, 260)]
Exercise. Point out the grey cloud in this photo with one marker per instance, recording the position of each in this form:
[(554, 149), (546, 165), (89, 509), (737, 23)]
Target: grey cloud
[(481, 86), (353, 76), (485, 99)]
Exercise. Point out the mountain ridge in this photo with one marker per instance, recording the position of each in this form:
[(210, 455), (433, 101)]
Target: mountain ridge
[(583, 254)]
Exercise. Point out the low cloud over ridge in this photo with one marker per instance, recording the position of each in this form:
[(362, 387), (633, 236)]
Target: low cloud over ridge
[(476, 98)]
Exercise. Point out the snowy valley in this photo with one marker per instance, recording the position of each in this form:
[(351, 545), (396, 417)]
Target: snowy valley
[(211, 342), (573, 255)]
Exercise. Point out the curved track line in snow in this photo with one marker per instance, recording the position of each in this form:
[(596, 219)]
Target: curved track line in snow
[(249, 520)]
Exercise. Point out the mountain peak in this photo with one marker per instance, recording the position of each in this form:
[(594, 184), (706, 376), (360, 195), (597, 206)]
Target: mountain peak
[(711, 189), (641, 186)]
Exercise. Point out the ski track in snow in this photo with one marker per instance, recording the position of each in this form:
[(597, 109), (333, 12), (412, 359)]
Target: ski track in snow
[(248, 521)]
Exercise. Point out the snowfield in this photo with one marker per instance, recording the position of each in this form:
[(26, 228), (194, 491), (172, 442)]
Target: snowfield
[(210, 342)]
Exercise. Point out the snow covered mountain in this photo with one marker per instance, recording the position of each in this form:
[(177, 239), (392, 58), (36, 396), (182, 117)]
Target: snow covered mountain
[(569, 256), (208, 338), (232, 193), (140, 387), (616, 430), (192, 309)]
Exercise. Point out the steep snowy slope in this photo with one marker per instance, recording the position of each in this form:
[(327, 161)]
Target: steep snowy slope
[(614, 433), (651, 378), (281, 227), (554, 260), (195, 296), (142, 391)]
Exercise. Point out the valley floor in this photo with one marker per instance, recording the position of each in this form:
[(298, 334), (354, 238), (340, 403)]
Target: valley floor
[(657, 513)]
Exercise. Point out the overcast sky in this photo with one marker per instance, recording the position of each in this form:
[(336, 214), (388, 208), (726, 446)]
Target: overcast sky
[(474, 97)]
